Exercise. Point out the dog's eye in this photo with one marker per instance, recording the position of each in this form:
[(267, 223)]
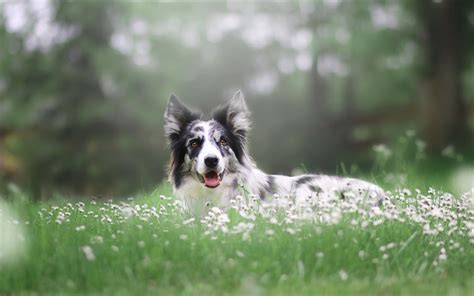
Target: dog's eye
[(194, 144), (223, 142)]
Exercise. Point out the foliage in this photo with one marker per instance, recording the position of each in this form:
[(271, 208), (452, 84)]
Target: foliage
[(83, 84)]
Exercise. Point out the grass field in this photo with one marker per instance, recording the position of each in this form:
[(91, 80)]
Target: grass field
[(419, 242)]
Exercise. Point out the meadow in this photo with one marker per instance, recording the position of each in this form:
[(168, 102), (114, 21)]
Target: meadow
[(84, 86), (418, 242)]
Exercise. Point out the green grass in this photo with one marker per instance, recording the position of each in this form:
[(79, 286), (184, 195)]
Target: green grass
[(418, 243), (157, 250)]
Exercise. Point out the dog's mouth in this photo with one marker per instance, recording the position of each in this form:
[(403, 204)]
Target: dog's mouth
[(212, 179)]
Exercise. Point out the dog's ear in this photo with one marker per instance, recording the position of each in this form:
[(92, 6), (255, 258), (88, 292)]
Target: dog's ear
[(235, 115), (177, 117)]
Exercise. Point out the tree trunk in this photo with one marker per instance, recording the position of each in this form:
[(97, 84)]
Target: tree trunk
[(319, 96), (443, 117)]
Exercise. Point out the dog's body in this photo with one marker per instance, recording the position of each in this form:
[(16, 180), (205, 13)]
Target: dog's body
[(210, 164)]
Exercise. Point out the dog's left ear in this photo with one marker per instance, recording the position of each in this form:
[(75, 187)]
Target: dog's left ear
[(235, 115)]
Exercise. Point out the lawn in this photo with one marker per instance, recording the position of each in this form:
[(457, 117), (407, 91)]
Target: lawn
[(416, 243)]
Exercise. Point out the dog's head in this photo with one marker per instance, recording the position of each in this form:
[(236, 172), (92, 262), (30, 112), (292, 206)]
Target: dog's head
[(206, 150)]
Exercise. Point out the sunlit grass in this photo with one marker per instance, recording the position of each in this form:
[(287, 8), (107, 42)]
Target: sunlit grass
[(420, 241), (417, 242)]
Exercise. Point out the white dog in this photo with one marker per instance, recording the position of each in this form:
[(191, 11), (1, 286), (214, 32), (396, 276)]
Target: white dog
[(210, 163)]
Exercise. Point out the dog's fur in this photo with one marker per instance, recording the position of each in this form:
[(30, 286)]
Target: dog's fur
[(224, 139)]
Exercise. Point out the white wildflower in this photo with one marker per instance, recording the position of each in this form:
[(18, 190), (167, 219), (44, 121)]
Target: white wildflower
[(188, 221), (12, 236), (343, 275), (88, 252), (269, 232), (127, 211), (97, 239), (383, 151)]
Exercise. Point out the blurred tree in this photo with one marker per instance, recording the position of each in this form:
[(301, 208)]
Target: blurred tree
[(78, 130), (362, 55), (83, 84), (443, 108)]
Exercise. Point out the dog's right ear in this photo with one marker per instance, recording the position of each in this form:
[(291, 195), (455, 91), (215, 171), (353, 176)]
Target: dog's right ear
[(177, 117)]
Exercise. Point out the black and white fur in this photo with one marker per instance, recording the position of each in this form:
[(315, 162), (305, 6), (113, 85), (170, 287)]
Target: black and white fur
[(223, 139)]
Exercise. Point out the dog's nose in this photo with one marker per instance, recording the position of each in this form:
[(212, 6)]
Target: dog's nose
[(211, 161)]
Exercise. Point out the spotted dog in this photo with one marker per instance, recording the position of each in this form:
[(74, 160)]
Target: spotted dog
[(210, 163)]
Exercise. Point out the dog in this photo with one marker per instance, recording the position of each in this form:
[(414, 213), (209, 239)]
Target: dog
[(210, 164)]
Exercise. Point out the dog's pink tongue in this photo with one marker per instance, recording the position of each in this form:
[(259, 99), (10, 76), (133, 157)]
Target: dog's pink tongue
[(211, 180)]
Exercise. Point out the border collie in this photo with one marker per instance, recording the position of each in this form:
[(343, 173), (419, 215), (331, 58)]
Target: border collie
[(210, 164)]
